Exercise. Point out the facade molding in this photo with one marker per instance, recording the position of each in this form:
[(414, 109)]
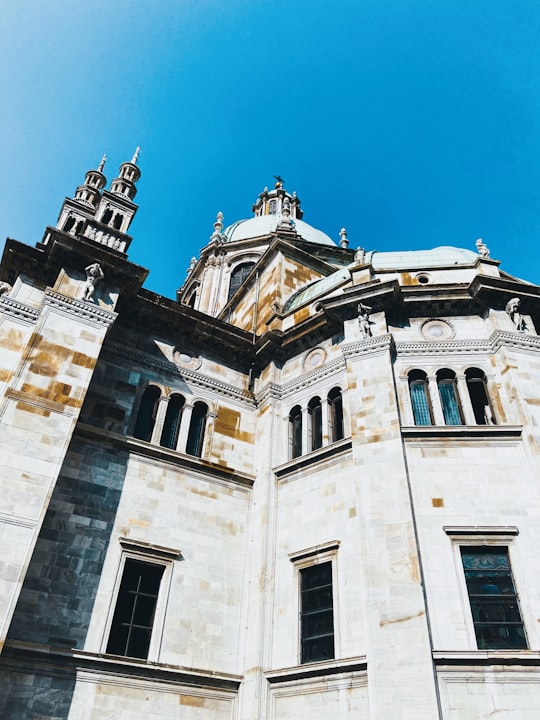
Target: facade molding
[(83, 309), (18, 310), (173, 371)]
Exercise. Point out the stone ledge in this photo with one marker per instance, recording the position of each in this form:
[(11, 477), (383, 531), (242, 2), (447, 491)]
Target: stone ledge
[(468, 432), (28, 657), (317, 669), (485, 657), (146, 449), (299, 463)]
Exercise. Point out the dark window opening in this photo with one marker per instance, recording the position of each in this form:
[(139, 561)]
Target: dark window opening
[(315, 422), (118, 219), (316, 613), (146, 418), (493, 598), (192, 297), (133, 619), (295, 431), (107, 215), (70, 222), (446, 382), (171, 424), (418, 388), (476, 385), (238, 275), (335, 415), (197, 425)]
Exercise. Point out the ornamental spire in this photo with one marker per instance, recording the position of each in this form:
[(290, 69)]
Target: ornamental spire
[(136, 155)]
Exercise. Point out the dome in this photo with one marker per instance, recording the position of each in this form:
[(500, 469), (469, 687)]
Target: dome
[(267, 224)]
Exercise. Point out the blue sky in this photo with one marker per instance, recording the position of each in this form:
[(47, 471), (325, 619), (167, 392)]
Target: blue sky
[(413, 123)]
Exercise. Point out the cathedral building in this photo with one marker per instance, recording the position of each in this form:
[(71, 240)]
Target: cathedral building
[(308, 487)]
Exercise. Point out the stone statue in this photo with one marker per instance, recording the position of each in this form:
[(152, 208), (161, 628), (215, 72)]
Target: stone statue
[(94, 273), (513, 309), (482, 248), (360, 256), (5, 288), (363, 319)]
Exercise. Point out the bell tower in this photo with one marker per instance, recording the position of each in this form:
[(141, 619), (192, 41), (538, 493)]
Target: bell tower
[(102, 215)]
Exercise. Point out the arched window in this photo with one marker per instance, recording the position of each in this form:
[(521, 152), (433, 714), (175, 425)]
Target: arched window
[(192, 297), (107, 215), (335, 415), (197, 425), (146, 417), (315, 423), (477, 387), (238, 275), (295, 431), (446, 382), (418, 388), (70, 222), (171, 425)]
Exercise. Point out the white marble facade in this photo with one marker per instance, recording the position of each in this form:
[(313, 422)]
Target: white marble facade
[(354, 416)]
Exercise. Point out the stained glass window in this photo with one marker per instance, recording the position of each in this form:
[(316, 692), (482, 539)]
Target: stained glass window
[(494, 604), (418, 386), (446, 382)]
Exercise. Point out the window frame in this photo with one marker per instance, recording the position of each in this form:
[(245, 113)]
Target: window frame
[(485, 536), (420, 378), (305, 559), (449, 380), (150, 555)]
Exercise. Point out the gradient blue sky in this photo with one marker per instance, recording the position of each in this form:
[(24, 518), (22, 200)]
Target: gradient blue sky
[(413, 123)]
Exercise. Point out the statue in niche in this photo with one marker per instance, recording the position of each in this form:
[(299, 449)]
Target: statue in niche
[(5, 288), (481, 248), (513, 310), (94, 274), (364, 321)]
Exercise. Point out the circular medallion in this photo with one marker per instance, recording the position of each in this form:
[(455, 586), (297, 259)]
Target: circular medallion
[(314, 359), (437, 329), (184, 359)]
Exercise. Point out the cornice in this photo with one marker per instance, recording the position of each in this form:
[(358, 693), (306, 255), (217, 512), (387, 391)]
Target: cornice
[(279, 392), (209, 470), (22, 656), (368, 346), (497, 340), (169, 368), (18, 310), (82, 309)]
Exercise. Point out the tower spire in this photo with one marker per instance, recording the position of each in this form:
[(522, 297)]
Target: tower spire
[(102, 163), (136, 155)]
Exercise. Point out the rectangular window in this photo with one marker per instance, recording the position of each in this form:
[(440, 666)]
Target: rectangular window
[(133, 619), (492, 595), (316, 613)]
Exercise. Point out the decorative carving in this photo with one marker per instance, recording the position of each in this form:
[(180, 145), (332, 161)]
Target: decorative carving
[(314, 358), (343, 240), (437, 329), (5, 288), (482, 248), (363, 319), (185, 359), (94, 274), (360, 256), (513, 310)]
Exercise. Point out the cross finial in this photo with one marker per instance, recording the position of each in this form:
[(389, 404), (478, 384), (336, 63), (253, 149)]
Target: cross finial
[(136, 155)]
